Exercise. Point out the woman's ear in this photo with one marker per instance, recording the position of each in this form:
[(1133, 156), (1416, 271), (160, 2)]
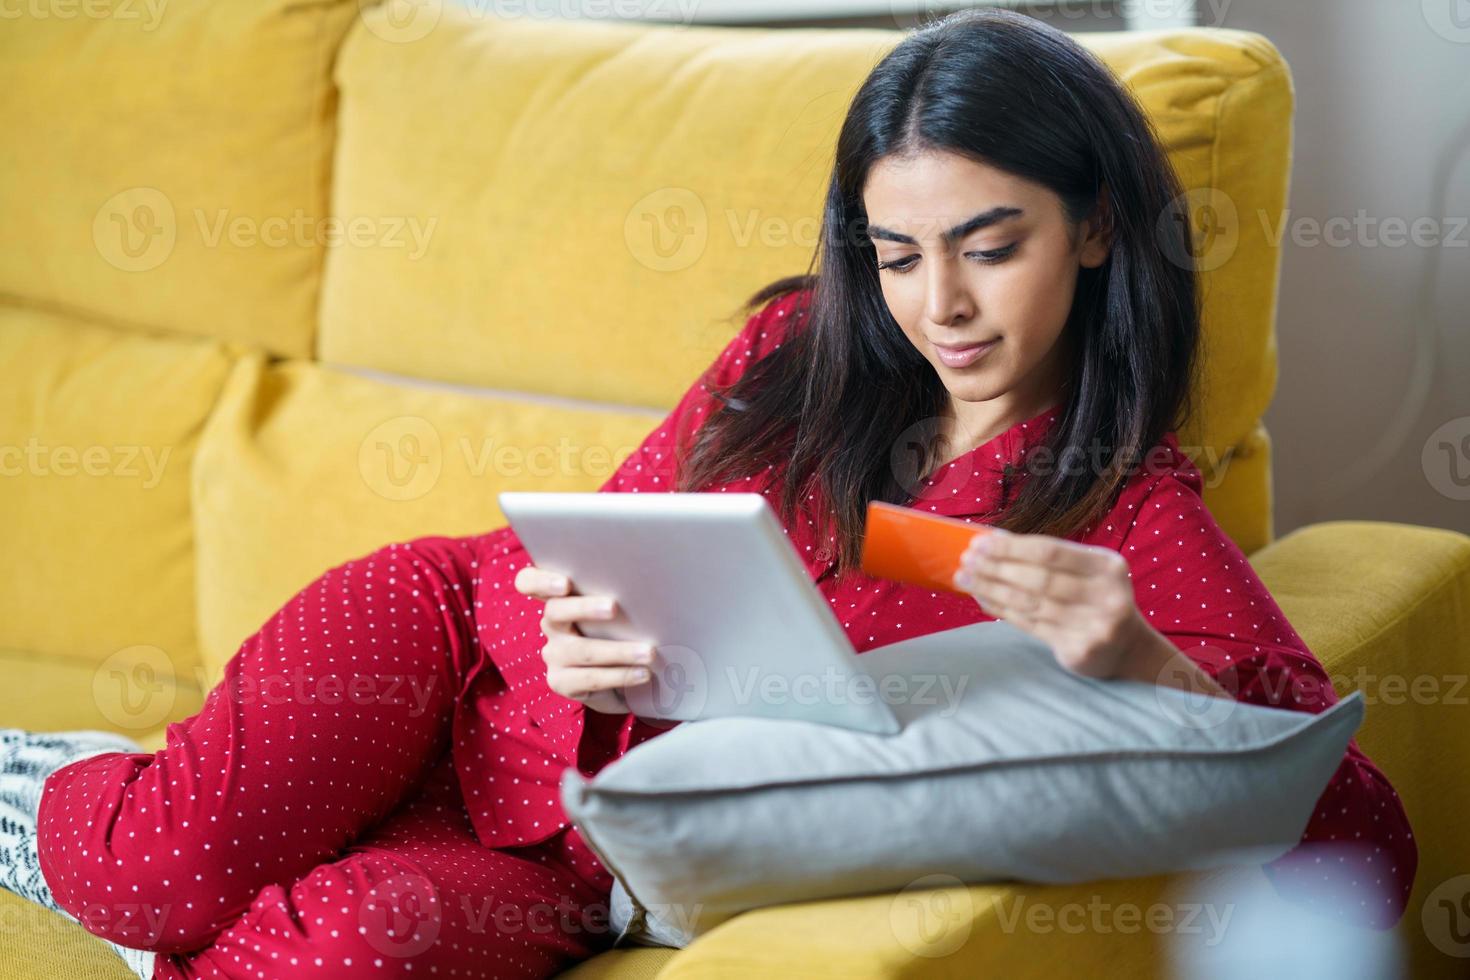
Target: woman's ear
[(1097, 235)]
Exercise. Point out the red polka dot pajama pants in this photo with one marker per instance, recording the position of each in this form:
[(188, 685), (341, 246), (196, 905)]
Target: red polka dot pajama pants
[(308, 821)]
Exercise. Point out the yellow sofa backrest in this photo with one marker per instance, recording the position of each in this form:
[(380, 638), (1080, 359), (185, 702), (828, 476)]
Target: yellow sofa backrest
[(167, 163)]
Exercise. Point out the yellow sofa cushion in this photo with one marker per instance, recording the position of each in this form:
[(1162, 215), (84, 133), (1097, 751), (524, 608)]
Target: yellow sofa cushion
[(626, 963), (136, 692), (97, 434), (303, 466), (602, 195), (38, 944), (167, 164)]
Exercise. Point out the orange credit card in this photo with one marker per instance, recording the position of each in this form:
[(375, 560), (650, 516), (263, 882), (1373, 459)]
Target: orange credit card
[(908, 545)]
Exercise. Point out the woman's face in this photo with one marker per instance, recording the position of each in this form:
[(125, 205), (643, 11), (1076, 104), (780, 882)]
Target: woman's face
[(1007, 276)]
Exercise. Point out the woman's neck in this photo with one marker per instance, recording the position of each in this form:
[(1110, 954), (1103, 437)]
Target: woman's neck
[(969, 425)]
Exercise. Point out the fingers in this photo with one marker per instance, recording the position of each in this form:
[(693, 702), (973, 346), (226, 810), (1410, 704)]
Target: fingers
[(1046, 551), (580, 682), (1012, 580), (587, 669), (1064, 571), (1034, 584), (583, 651), (562, 613), (1002, 600), (541, 583)]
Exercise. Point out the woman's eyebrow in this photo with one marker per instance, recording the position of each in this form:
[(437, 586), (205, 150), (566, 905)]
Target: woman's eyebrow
[(982, 220)]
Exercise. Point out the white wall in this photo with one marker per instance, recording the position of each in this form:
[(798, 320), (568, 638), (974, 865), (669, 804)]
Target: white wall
[(1374, 336)]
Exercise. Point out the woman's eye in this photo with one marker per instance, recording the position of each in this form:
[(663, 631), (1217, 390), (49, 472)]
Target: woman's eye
[(989, 257), (995, 254), (901, 266)]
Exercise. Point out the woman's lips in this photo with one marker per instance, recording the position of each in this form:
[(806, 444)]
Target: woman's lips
[(958, 357)]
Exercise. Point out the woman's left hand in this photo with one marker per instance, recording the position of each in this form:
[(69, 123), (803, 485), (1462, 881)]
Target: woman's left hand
[(1077, 598)]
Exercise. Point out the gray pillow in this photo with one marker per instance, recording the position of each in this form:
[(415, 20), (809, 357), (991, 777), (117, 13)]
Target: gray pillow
[(1008, 767)]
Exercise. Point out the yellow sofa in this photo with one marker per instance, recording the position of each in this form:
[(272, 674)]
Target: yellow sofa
[(285, 282)]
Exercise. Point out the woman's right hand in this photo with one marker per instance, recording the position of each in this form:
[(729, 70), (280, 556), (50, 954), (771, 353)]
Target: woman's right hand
[(579, 667)]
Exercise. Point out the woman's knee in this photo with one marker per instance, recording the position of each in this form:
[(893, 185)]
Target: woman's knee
[(109, 863), (414, 600)]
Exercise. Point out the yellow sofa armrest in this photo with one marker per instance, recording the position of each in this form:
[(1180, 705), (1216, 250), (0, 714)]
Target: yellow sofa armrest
[(1386, 609), (1372, 596)]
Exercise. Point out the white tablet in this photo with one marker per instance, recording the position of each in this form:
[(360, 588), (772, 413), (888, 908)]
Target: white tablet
[(712, 580)]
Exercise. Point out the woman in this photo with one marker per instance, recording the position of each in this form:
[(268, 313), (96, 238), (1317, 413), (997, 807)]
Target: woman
[(994, 185)]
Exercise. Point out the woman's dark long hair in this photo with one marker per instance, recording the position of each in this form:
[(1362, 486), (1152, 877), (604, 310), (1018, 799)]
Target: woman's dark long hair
[(826, 409)]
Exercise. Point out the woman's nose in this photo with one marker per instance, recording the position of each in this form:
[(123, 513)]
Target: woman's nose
[(948, 299)]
